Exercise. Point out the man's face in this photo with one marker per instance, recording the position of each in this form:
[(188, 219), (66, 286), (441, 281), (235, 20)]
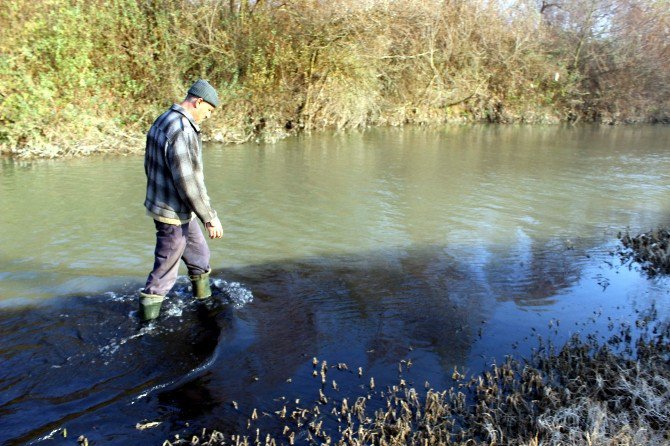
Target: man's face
[(203, 110)]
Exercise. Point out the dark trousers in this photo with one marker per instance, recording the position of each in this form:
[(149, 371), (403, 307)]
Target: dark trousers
[(174, 243)]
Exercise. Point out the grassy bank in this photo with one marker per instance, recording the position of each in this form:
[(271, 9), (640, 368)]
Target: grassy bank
[(86, 76)]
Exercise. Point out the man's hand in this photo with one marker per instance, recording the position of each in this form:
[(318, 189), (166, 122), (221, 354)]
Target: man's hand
[(214, 228)]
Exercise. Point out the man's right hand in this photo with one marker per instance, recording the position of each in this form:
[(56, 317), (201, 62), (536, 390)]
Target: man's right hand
[(214, 228)]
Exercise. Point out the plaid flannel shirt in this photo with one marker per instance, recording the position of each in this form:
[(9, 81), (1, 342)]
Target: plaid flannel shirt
[(173, 165)]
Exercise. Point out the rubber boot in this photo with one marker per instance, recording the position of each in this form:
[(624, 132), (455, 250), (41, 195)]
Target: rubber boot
[(150, 306), (200, 285)]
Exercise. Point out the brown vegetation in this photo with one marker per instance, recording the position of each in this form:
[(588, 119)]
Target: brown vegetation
[(618, 52), (651, 250), (81, 76), (586, 393)]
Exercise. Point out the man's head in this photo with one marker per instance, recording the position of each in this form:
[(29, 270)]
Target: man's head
[(201, 100)]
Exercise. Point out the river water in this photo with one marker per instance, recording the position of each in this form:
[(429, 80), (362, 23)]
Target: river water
[(449, 247)]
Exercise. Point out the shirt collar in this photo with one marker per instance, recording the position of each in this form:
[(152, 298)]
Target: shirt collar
[(179, 109)]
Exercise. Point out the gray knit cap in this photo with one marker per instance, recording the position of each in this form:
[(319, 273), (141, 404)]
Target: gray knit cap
[(202, 89)]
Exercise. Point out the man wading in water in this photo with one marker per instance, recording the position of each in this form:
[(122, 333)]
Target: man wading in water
[(176, 194)]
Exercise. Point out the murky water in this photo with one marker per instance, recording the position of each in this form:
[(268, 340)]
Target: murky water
[(448, 247)]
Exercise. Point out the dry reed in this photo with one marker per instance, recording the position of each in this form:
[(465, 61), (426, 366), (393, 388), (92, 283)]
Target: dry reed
[(585, 393)]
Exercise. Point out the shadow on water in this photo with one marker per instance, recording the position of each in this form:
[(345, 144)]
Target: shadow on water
[(85, 363), (80, 355)]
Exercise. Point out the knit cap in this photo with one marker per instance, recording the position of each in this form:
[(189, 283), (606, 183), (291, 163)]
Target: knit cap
[(202, 89)]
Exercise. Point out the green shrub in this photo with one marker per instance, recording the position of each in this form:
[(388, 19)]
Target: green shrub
[(82, 76)]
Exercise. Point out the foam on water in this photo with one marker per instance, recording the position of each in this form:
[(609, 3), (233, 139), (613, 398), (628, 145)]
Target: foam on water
[(117, 297), (50, 436), (114, 344), (173, 308), (238, 295)]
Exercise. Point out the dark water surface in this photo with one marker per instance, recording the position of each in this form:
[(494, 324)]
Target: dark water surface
[(449, 248)]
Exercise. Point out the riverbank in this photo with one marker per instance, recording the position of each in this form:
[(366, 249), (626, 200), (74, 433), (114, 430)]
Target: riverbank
[(71, 90)]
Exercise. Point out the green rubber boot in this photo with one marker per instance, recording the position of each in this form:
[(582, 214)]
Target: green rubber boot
[(201, 287), (150, 306)]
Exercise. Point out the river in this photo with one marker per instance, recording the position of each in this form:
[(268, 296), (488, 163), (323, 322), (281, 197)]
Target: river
[(450, 247)]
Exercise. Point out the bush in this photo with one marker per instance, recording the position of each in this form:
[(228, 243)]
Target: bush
[(81, 76)]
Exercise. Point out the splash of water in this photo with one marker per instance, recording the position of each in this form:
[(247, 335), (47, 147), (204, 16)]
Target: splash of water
[(174, 306), (115, 344), (238, 295)]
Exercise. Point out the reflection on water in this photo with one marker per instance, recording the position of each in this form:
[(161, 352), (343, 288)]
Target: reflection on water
[(80, 355), (85, 362), (78, 226), (447, 247)]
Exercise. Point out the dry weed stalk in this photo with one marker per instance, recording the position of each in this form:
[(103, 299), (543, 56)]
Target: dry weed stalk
[(584, 393), (651, 250)]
